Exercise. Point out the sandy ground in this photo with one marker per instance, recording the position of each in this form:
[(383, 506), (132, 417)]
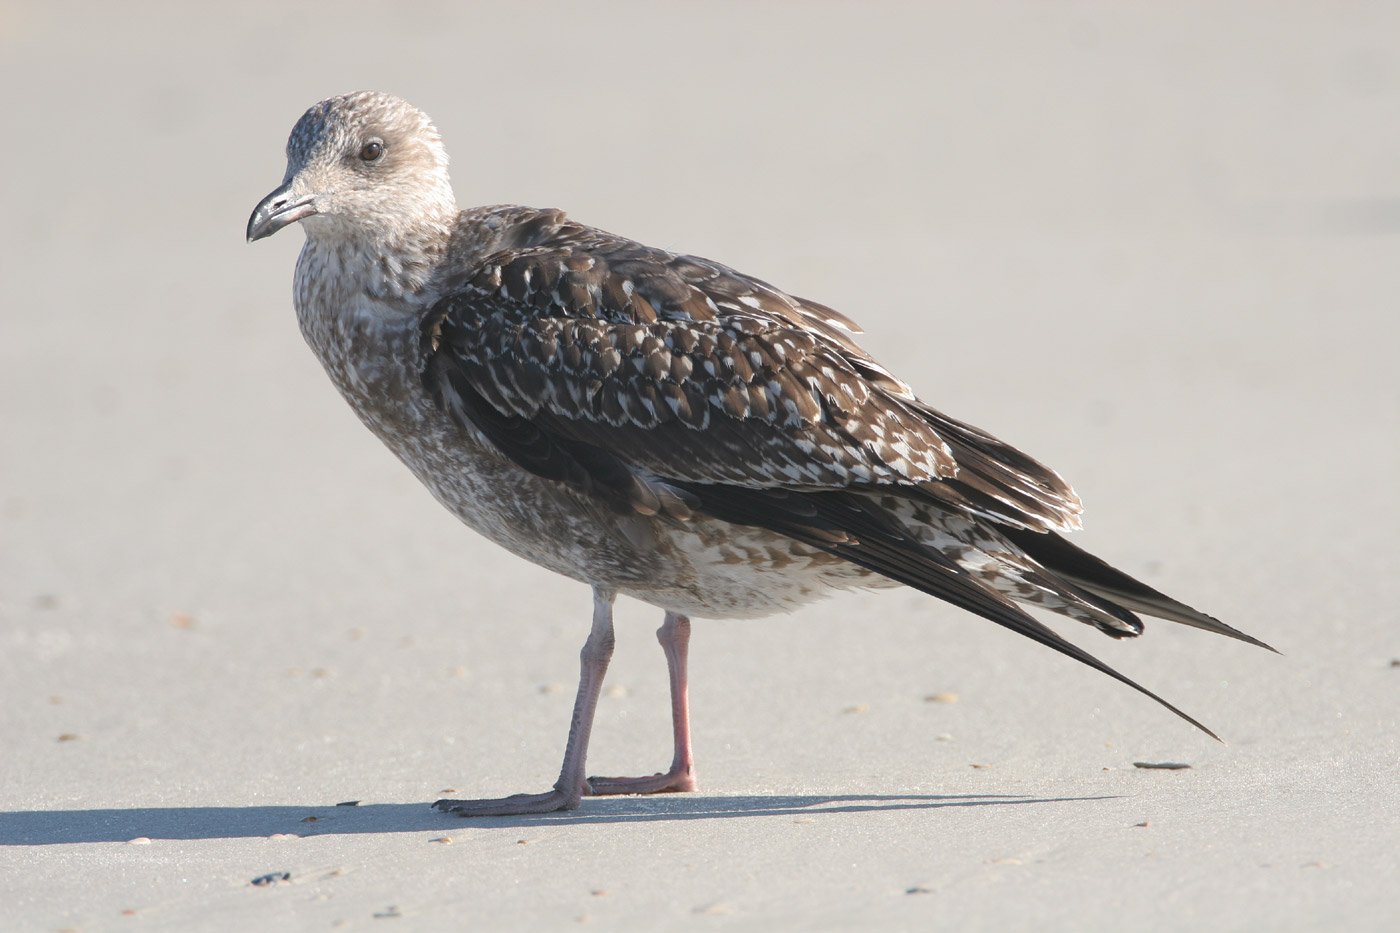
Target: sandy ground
[(1156, 249)]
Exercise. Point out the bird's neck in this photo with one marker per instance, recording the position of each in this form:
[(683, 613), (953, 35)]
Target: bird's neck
[(391, 262), (358, 289)]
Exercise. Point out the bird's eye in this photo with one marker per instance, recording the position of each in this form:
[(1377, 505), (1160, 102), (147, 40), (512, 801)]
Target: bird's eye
[(372, 151)]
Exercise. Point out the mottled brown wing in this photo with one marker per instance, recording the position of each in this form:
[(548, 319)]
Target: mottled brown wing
[(685, 370)]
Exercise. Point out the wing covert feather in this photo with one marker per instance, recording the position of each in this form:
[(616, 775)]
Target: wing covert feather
[(686, 370)]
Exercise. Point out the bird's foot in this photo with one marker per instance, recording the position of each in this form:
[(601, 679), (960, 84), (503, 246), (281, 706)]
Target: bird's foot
[(513, 805), (675, 781)]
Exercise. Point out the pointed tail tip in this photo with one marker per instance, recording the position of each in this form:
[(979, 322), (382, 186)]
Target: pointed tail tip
[(1211, 624), (1191, 719), (1251, 640), (1235, 633)]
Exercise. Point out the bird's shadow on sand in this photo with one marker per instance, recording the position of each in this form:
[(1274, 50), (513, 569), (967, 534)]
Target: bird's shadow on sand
[(57, 827)]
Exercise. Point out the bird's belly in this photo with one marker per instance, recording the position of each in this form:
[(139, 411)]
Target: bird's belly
[(741, 572), (702, 567)]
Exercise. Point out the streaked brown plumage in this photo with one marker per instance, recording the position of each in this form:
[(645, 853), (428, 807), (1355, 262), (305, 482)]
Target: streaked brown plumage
[(653, 424)]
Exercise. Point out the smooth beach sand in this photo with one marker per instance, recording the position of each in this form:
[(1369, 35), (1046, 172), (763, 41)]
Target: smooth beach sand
[(1154, 247)]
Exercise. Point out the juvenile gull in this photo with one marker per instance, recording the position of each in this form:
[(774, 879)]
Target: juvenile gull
[(653, 424)]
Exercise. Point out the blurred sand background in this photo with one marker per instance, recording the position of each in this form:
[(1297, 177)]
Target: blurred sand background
[(1153, 244)]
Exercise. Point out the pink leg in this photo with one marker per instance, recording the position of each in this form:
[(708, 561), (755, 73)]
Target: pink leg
[(570, 787), (674, 636)]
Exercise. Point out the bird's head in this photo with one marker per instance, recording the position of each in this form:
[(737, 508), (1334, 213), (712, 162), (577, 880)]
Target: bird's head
[(362, 166)]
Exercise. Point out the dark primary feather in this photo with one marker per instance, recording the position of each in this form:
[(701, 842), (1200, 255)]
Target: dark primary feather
[(669, 384), (1078, 566)]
